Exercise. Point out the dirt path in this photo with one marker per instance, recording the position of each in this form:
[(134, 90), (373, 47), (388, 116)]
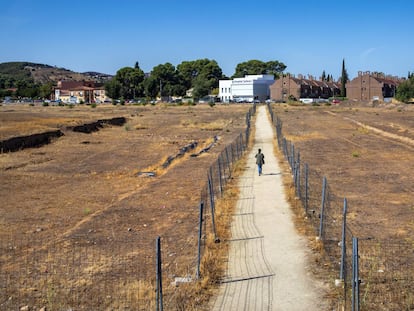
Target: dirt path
[(267, 267)]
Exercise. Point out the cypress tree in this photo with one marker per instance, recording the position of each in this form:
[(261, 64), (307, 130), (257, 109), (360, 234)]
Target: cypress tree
[(344, 79), (323, 76)]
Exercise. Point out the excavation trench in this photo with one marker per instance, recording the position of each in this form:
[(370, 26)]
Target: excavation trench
[(40, 139)]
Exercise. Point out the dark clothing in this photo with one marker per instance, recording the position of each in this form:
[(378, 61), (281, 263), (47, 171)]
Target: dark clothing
[(259, 161)]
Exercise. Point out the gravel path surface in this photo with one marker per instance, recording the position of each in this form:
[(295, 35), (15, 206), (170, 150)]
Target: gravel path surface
[(267, 267)]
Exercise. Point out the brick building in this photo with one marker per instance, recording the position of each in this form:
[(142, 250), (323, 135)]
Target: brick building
[(291, 87), (372, 86)]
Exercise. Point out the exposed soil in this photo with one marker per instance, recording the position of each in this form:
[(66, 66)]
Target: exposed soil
[(89, 185), (366, 153), (269, 262), (84, 188)]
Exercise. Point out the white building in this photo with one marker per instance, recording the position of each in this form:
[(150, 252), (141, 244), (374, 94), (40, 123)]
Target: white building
[(247, 89)]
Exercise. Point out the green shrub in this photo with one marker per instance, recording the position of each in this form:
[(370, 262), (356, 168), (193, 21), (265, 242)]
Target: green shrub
[(355, 154)]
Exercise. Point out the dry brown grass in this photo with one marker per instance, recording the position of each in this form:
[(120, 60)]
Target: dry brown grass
[(196, 296), (86, 186), (216, 125), (367, 167), (304, 136), (320, 264)]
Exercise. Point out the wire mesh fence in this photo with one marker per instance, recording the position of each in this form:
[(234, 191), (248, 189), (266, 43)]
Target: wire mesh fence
[(76, 273), (217, 177), (90, 272), (386, 275), (380, 276)]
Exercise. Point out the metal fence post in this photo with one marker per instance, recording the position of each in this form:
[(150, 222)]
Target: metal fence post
[(285, 152), (200, 234), (227, 158), (306, 187), (355, 275), (159, 305), (298, 176), (220, 176), (210, 187), (322, 208), (342, 273)]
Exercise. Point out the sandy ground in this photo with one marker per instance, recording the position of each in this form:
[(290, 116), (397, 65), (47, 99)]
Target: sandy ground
[(268, 268)]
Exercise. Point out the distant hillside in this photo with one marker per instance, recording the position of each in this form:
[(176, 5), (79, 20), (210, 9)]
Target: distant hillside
[(41, 73)]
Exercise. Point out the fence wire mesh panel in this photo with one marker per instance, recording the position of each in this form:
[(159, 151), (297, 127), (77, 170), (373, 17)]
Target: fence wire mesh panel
[(92, 272), (385, 267), (184, 270), (386, 272), (80, 273)]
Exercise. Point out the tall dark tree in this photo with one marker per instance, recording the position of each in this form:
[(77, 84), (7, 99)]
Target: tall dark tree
[(323, 77), (344, 79)]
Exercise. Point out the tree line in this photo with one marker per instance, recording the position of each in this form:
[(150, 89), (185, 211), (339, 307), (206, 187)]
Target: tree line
[(165, 80), (201, 76)]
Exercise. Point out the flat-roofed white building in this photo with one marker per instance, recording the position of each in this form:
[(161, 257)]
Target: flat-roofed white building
[(247, 89)]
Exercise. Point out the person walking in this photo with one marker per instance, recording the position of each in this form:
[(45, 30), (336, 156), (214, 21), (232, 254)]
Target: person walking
[(259, 160)]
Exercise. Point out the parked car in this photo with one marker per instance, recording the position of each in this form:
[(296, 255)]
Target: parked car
[(306, 100), (336, 101)]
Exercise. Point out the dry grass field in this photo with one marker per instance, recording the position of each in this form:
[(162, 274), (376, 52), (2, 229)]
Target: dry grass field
[(367, 155), (86, 189), (81, 202)]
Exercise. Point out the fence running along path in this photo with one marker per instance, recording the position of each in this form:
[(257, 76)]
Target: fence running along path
[(267, 258), (373, 274), (77, 273), (86, 272)]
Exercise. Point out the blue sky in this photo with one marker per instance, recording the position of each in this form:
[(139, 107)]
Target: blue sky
[(307, 36)]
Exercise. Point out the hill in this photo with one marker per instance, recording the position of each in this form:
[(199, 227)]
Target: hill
[(42, 73)]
